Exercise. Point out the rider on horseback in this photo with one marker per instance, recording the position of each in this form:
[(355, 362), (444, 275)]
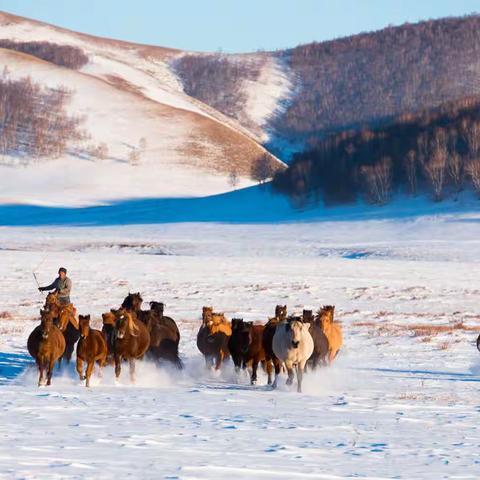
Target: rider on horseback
[(62, 286)]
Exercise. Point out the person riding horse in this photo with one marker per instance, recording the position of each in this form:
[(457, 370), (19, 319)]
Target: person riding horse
[(62, 286)]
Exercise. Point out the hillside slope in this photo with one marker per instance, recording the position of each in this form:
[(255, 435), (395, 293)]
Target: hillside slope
[(127, 95)]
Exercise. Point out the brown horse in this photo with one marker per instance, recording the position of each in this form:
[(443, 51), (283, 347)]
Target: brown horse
[(212, 337), (64, 318), (108, 331), (46, 345), (320, 341), (131, 340), (246, 347), (164, 336), (91, 348), (267, 339), (332, 331)]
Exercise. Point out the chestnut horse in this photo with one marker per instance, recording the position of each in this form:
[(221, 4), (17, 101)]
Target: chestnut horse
[(267, 339), (332, 331), (245, 347), (131, 340), (46, 345), (212, 337), (320, 341), (64, 318), (91, 348)]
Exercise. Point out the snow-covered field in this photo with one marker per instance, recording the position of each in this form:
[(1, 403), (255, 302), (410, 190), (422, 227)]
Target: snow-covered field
[(400, 402)]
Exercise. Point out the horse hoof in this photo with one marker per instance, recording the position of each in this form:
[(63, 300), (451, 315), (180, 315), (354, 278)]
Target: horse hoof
[(254, 382)]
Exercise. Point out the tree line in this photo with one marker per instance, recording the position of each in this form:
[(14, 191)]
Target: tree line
[(435, 150), (62, 55)]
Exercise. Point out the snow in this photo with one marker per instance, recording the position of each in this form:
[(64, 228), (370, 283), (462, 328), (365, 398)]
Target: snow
[(266, 94), (398, 403), (125, 93)]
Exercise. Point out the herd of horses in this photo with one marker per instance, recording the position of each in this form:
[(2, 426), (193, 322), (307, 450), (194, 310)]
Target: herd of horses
[(130, 333)]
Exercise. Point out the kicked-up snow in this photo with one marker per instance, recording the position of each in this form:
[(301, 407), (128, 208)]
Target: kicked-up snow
[(401, 400)]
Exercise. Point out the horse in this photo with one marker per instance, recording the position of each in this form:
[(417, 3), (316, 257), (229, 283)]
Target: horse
[(267, 339), (478, 343), (158, 308), (245, 345), (131, 340), (320, 341), (212, 337), (164, 336), (64, 318), (91, 348), (108, 331), (331, 330), (46, 345), (293, 346)]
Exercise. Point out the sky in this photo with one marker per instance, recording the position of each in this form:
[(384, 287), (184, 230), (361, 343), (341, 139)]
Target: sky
[(233, 25)]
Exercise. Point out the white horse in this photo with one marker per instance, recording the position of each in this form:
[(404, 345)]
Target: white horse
[(293, 346)]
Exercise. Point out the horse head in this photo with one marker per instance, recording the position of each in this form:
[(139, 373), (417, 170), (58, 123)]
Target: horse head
[(132, 302), (46, 323), (84, 325), (281, 312), (207, 313), (125, 324), (325, 315)]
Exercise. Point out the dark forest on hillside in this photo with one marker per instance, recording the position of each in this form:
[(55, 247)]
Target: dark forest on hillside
[(437, 150), (61, 55)]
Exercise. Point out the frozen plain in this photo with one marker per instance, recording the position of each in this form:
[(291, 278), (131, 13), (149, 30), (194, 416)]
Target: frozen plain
[(400, 402)]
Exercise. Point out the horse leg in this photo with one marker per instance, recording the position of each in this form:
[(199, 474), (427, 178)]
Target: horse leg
[(40, 369), (269, 370), (331, 357), (51, 366), (278, 367), (118, 365), (131, 364), (80, 368), (89, 371), (220, 357), (289, 372), (254, 372), (299, 368)]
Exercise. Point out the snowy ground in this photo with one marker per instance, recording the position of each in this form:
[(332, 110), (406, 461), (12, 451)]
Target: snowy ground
[(401, 401)]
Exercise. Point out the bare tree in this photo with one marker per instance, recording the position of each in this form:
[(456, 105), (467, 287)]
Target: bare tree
[(472, 136), (455, 169), (262, 169), (473, 170), (134, 157), (378, 179), (100, 151), (233, 178), (410, 164), (435, 171)]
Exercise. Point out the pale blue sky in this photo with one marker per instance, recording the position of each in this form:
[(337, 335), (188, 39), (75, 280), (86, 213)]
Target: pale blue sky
[(233, 25)]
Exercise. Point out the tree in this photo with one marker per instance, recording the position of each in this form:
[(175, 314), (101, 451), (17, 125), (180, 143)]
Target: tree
[(378, 179), (473, 169), (134, 157), (233, 178), (100, 151), (262, 169), (435, 171), (455, 169), (410, 164)]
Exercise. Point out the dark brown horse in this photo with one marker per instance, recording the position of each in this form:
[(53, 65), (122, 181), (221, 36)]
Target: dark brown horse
[(108, 331), (164, 336), (46, 345), (267, 339), (91, 348), (213, 336), (320, 341), (131, 340), (246, 347), (64, 318)]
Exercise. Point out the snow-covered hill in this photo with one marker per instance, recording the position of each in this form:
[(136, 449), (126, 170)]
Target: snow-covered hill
[(127, 93)]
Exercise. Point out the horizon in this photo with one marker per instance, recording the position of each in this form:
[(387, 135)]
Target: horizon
[(221, 26)]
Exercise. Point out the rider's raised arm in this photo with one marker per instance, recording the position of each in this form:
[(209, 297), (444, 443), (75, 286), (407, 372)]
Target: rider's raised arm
[(52, 286)]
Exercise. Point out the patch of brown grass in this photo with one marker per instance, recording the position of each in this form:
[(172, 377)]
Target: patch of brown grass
[(6, 315)]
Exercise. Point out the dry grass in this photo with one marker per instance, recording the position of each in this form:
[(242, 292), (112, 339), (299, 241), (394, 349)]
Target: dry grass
[(6, 315)]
